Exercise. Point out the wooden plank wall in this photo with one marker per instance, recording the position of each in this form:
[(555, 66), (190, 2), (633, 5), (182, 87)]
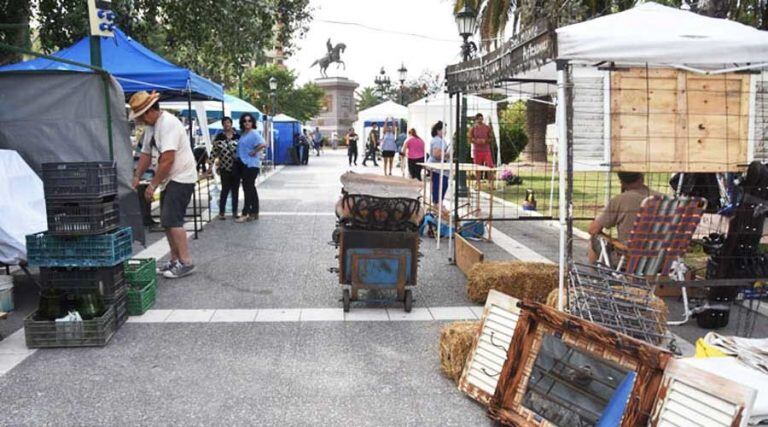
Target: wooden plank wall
[(666, 120)]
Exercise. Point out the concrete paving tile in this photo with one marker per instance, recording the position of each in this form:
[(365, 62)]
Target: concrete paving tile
[(322, 314), (417, 313), (9, 361), (189, 316), (14, 344), (478, 310), (234, 315), (151, 316), (278, 315), (366, 315), (452, 313)]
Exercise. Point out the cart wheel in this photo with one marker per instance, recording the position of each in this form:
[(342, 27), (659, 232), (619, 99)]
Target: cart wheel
[(345, 300), (408, 301)]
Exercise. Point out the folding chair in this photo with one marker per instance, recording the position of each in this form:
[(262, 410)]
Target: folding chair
[(660, 236)]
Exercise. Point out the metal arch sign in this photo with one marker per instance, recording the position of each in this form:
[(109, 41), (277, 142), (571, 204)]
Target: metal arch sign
[(531, 48)]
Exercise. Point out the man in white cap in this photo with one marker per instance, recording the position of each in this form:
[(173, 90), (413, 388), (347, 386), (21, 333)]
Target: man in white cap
[(175, 176)]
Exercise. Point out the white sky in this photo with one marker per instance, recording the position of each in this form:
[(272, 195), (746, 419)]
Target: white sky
[(368, 50)]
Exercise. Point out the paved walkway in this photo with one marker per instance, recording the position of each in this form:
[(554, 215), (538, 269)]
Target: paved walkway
[(257, 336)]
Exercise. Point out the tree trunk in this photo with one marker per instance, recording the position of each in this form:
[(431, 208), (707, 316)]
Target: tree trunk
[(713, 8), (537, 116), (17, 13)]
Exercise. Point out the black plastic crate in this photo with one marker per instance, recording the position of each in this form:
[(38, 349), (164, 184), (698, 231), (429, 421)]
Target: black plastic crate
[(89, 333), (105, 282), (120, 302), (79, 180), (71, 218)]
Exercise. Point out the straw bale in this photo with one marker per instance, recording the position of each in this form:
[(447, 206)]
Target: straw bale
[(456, 340), (552, 298), (522, 280)]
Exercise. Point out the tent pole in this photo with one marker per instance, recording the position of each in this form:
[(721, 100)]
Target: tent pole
[(562, 159), (192, 145), (105, 80), (457, 159)]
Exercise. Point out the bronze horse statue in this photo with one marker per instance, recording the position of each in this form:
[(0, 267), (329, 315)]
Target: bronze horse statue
[(333, 55)]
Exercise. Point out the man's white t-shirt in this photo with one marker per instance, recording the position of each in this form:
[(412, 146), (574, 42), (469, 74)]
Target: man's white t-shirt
[(169, 135)]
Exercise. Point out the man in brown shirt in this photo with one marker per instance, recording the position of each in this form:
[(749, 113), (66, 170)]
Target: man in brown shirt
[(620, 212)]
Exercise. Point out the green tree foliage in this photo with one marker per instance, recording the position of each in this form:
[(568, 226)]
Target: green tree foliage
[(299, 102), (427, 83), (215, 38), (512, 131), (367, 97), (16, 13), (293, 17)]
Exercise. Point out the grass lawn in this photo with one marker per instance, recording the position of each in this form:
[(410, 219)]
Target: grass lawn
[(590, 190)]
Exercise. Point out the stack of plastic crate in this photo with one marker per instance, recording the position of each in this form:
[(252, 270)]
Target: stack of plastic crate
[(82, 252)]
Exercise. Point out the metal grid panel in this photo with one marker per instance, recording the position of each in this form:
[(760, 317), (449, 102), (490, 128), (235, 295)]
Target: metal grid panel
[(621, 302)]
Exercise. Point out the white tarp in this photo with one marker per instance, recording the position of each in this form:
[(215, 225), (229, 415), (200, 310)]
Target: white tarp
[(425, 112), (22, 206), (660, 35)]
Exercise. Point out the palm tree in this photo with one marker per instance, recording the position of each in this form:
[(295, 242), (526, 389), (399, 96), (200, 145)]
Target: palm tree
[(367, 97)]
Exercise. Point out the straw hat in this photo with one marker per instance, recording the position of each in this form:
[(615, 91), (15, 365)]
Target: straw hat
[(140, 103)]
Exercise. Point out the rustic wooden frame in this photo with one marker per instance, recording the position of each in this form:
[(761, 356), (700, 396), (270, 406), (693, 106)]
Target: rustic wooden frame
[(647, 361), (504, 302)]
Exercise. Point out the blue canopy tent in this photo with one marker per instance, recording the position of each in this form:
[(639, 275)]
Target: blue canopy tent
[(134, 66), (286, 129)]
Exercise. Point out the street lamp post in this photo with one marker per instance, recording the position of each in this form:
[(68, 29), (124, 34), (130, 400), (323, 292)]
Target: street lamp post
[(273, 112), (466, 23), (402, 73), (382, 82)]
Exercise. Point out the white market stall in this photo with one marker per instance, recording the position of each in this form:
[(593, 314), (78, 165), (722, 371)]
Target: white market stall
[(615, 76), (425, 112), (377, 114)]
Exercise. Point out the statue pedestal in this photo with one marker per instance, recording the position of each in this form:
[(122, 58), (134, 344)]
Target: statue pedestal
[(338, 111)]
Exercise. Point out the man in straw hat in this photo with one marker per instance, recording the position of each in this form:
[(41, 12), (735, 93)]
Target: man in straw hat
[(175, 176)]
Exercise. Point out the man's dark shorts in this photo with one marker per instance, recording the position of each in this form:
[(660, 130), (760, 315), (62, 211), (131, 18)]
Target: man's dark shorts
[(173, 204)]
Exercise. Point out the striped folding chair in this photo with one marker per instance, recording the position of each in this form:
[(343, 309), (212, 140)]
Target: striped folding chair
[(660, 237)]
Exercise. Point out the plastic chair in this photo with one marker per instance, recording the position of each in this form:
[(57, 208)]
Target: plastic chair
[(660, 237)]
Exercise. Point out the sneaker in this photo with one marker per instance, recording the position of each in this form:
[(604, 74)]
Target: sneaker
[(222, 217), (179, 270), (165, 267), (242, 218)]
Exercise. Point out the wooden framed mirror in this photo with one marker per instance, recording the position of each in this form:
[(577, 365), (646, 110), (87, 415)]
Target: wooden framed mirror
[(606, 376)]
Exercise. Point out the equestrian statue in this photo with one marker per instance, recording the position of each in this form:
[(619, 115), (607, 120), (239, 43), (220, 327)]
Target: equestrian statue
[(333, 55)]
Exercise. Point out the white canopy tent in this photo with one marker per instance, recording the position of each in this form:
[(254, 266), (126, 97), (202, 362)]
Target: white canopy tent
[(425, 112), (660, 35), (649, 35), (377, 113)]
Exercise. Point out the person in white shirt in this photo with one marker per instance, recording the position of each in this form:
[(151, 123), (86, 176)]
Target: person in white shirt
[(175, 176)]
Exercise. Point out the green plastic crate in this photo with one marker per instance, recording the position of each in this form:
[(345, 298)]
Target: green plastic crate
[(141, 299), (140, 271)]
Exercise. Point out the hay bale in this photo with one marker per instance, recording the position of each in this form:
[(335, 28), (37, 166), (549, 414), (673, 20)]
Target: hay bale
[(552, 298), (456, 339), (522, 280)]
